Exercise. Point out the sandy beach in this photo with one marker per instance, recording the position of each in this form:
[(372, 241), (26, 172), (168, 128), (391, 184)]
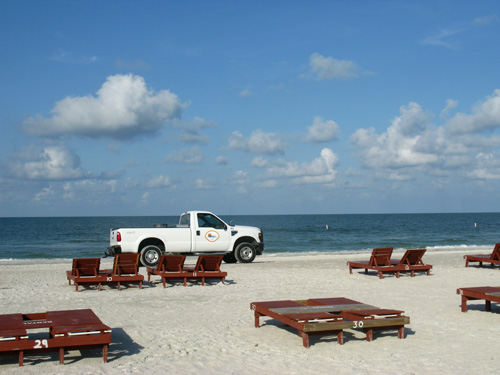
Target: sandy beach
[(210, 329)]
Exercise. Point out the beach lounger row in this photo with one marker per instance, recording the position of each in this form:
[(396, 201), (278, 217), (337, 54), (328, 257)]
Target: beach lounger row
[(66, 330), (171, 268), (331, 316), (381, 262), (86, 271)]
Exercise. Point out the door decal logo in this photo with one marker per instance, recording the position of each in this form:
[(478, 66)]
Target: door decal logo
[(212, 236)]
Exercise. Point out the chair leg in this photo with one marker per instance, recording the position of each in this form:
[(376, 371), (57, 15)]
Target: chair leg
[(305, 339), (401, 332), (340, 337), (105, 353), (369, 334), (464, 303), (61, 356)]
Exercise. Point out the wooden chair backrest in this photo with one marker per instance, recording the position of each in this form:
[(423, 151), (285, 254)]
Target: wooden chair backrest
[(211, 263), (413, 257), (495, 255), (171, 263), (85, 266), (381, 256), (126, 264)]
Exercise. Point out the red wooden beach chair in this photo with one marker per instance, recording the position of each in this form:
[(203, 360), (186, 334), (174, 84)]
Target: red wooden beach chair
[(410, 262), (380, 259), (488, 293), (67, 330), (493, 258), (86, 271), (207, 268), (125, 270), (326, 316), (169, 268)]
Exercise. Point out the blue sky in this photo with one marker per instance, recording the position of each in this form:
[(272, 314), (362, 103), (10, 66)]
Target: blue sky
[(249, 107)]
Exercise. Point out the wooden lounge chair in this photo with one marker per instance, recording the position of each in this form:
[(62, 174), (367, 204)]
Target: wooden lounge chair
[(326, 316), (67, 330), (169, 268), (380, 258), (125, 270), (410, 262), (488, 293), (207, 268), (493, 258), (86, 271)]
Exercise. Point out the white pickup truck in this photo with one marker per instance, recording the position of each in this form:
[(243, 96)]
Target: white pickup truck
[(197, 232)]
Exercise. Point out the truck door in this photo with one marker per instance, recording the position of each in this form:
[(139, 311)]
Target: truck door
[(212, 234)]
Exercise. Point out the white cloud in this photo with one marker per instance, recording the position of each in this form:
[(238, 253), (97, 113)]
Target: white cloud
[(193, 136), (122, 109), (221, 160), (45, 194), (240, 178), (52, 162), (450, 106), (191, 130), (485, 116), (159, 182), (204, 183), (486, 20), (444, 38), (193, 155), (65, 57), (399, 146), (258, 143), (246, 93), (259, 162), (323, 68), (320, 170), (322, 131), (450, 151)]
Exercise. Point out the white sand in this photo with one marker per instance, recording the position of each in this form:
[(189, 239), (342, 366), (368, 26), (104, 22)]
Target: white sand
[(210, 329)]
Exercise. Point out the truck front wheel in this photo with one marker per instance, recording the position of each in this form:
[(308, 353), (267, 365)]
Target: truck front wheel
[(150, 256), (245, 252)]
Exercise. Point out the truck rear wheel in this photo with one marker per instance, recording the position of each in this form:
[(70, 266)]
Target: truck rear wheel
[(150, 255), (245, 252)]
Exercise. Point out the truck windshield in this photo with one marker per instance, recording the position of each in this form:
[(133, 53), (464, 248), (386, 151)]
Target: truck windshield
[(207, 220)]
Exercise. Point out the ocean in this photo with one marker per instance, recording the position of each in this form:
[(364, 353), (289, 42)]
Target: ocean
[(71, 237)]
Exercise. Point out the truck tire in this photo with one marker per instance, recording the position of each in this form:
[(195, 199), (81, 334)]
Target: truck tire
[(150, 255), (245, 252), (229, 258)]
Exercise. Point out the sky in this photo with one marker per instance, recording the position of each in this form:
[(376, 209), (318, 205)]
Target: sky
[(249, 107)]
